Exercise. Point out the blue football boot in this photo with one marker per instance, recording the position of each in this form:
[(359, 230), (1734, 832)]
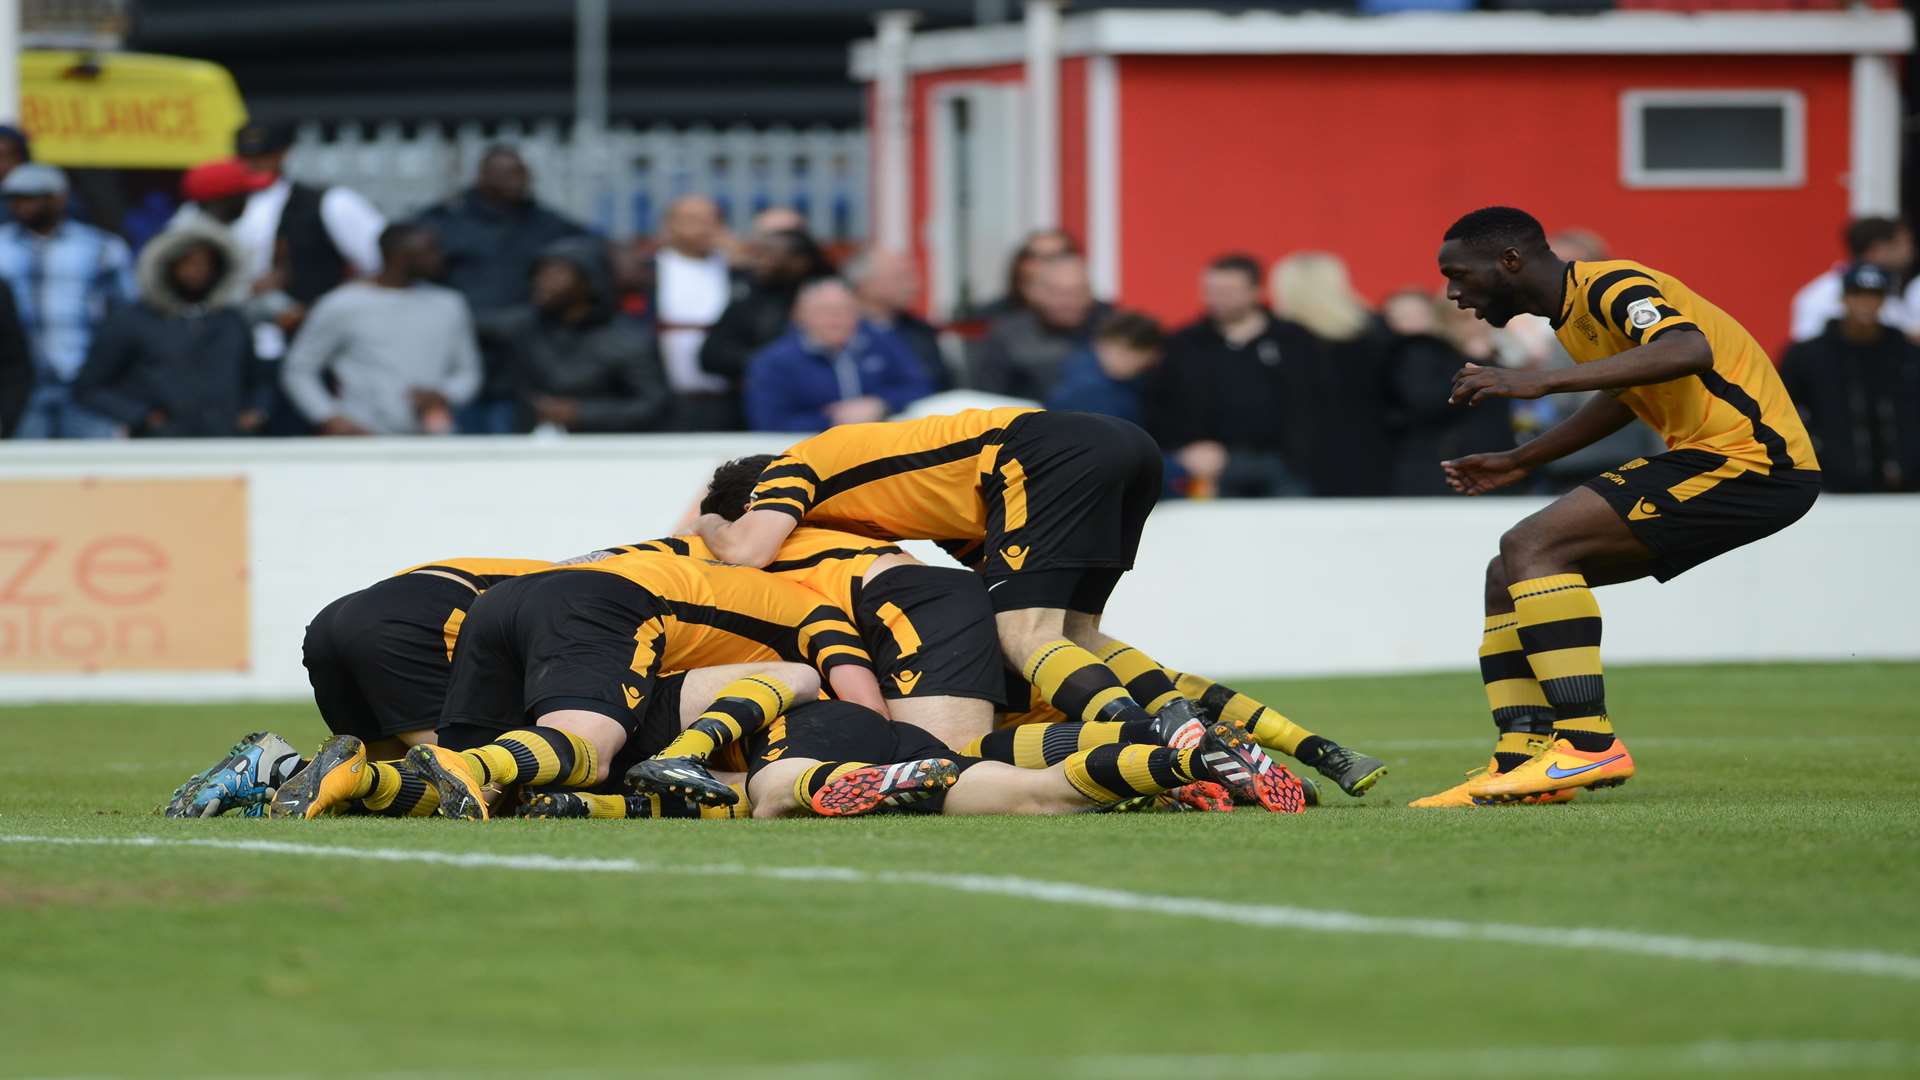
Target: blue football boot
[(243, 780)]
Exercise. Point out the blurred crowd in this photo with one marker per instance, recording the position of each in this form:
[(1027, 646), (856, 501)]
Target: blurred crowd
[(271, 307)]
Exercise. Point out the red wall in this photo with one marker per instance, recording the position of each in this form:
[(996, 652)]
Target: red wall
[(1372, 158), (1073, 142)]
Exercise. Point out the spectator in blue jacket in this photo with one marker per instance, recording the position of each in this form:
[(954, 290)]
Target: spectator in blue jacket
[(831, 368), (1110, 375)]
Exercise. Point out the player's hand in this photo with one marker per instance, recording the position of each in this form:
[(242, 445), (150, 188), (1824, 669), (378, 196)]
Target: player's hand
[(1477, 474), (1474, 382)]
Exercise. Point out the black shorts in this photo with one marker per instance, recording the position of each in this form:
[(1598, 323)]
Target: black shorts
[(378, 658), (931, 633), (554, 640), (842, 731), (1066, 504), (1685, 516), (659, 723)]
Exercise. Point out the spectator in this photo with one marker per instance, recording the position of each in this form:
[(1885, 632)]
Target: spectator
[(580, 368), (401, 351), (1421, 363), (16, 366), (831, 368), (1023, 350), (1039, 246), (692, 283), (1110, 375), (219, 191), (65, 276), (773, 219), (1348, 450), (492, 233), (1231, 388), (1884, 242), (14, 150), (1857, 386), (301, 240), (888, 286), (779, 263), (179, 363)]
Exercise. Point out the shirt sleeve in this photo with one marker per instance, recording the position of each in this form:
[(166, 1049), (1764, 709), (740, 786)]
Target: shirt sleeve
[(827, 639), (463, 370), (1630, 303), (788, 485), (354, 225), (1816, 304), (300, 372)]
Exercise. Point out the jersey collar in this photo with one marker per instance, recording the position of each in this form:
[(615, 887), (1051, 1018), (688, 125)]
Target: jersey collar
[(1567, 293)]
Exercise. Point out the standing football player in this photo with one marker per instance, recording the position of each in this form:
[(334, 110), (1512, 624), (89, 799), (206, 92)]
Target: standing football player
[(1739, 467)]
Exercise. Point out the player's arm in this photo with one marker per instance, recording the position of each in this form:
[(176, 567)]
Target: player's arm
[(834, 647), (1477, 474), (1676, 354), (753, 540)]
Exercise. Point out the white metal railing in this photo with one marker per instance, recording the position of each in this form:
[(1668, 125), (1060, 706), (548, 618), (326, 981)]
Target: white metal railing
[(618, 183)]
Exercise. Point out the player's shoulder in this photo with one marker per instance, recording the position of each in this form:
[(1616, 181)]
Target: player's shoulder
[(1587, 273)]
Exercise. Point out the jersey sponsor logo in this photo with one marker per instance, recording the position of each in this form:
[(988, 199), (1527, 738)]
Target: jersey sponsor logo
[(633, 696), (1618, 480), (1584, 324), (1643, 510), (907, 680), (1642, 313), (1015, 555)]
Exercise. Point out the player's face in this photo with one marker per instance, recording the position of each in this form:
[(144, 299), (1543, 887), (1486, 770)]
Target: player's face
[(1478, 283)]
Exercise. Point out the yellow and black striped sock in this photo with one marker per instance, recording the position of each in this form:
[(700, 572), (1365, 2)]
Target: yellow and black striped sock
[(818, 776), (1269, 726), (744, 706), (1560, 631), (1147, 682), (397, 792), (1079, 685), (606, 807), (536, 757), (1111, 774), (1520, 709), (1039, 746)]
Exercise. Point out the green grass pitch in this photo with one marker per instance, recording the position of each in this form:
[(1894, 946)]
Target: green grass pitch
[(1776, 805)]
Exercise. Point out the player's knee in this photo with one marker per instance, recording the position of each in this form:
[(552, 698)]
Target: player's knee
[(801, 679), (1025, 630), (1518, 546), (1497, 580)]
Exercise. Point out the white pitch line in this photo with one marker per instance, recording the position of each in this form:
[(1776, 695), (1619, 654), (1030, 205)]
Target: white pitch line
[(1691, 1059), (1270, 916)]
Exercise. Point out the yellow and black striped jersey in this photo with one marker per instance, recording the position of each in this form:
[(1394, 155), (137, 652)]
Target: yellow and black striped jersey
[(481, 573), (478, 575), (826, 561), (718, 614), (1739, 411), (894, 480)]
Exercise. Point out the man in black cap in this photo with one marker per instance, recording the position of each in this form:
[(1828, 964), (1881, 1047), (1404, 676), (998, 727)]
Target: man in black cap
[(308, 239), (1858, 389)]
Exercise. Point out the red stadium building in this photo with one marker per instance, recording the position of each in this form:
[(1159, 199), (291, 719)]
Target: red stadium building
[(1725, 148)]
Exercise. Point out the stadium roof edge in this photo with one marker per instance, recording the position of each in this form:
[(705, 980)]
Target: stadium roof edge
[(1615, 33)]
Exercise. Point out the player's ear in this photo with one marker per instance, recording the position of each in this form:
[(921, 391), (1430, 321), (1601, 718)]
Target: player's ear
[(1510, 260)]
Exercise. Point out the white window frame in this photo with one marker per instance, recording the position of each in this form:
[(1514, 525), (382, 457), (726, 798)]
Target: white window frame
[(1793, 144)]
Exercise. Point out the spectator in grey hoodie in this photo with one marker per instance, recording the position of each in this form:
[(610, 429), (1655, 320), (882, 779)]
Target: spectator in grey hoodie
[(180, 363), (574, 365), (402, 352)]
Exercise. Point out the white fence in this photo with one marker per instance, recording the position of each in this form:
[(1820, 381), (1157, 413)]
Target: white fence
[(1232, 589), (618, 183)]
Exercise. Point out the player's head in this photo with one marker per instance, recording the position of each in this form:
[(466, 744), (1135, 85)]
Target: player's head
[(1485, 256), (732, 486)]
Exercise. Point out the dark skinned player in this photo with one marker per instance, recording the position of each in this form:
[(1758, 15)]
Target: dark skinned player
[(1739, 467)]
